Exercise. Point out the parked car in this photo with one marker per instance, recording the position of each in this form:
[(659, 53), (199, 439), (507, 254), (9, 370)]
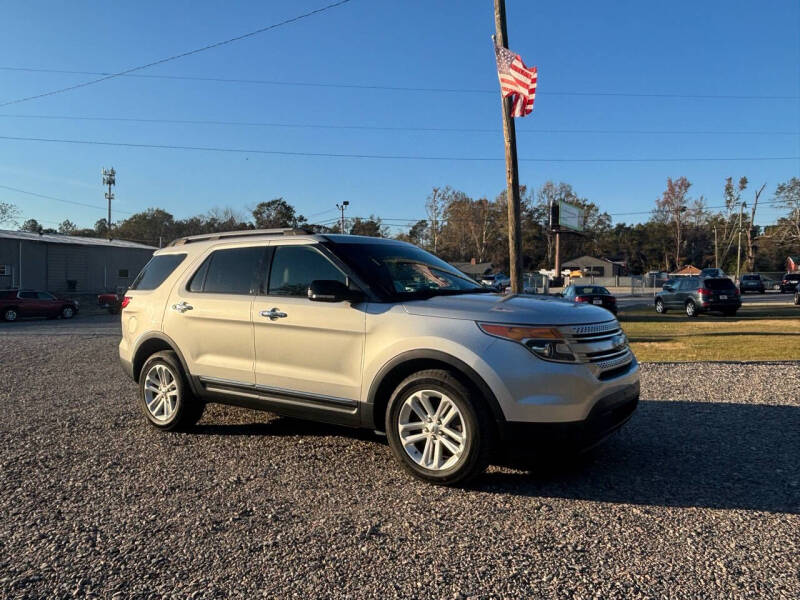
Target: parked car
[(789, 282), (111, 301), (17, 303), (497, 282), (797, 297), (592, 294), (771, 284), (697, 295), (372, 333), (752, 282)]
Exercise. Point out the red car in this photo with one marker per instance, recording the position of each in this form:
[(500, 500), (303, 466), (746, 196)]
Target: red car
[(34, 303)]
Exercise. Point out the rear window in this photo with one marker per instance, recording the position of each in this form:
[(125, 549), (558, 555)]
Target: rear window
[(156, 271), (792, 276), (750, 277), (592, 289), (719, 284)]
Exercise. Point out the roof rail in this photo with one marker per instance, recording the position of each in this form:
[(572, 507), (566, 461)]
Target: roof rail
[(204, 237)]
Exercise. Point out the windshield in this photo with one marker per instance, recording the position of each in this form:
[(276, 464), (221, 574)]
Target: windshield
[(399, 270)]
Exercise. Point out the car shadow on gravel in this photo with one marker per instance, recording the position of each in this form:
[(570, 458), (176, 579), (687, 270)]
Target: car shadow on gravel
[(681, 454), (283, 426)]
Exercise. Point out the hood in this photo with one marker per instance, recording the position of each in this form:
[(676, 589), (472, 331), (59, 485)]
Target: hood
[(522, 310)]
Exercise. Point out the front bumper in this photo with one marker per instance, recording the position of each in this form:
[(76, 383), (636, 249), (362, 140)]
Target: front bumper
[(608, 414)]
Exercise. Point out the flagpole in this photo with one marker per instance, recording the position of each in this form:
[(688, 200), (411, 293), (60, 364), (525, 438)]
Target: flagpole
[(512, 172)]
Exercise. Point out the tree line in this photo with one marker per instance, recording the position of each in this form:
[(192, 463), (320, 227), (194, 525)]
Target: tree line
[(681, 229)]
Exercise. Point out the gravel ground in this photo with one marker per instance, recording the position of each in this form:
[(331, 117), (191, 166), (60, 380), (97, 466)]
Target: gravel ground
[(697, 497)]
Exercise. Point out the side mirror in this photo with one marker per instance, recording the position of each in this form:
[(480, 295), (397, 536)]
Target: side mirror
[(331, 290)]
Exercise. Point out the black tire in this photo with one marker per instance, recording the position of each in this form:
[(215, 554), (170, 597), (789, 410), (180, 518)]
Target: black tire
[(10, 314), (67, 312), (660, 308), (478, 443), (188, 409), (691, 309), (797, 298), (729, 313)]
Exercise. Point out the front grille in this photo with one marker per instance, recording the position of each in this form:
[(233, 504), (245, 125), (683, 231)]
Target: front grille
[(603, 346)]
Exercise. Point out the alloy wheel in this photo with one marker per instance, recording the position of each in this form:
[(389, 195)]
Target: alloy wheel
[(10, 315), (659, 306), (161, 393), (690, 308), (432, 430)]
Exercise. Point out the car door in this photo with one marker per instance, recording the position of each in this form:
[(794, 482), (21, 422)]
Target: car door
[(29, 305), (308, 354), (669, 291), (48, 303), (209, 314)]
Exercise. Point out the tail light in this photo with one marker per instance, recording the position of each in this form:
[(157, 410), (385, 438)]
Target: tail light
[(737, 291), (582, 299), (612, 299), (704, 292), (125, 301)]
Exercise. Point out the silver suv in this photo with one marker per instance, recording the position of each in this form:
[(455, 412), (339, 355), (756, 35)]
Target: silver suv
[(377, 334)]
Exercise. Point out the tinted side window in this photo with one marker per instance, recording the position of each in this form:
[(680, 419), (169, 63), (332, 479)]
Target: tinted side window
[(156, 271), (233, 271), (295, 267), (199, 277), (45, 296), (28, 295)]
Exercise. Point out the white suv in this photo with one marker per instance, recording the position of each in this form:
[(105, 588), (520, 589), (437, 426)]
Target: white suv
[(377, 334)]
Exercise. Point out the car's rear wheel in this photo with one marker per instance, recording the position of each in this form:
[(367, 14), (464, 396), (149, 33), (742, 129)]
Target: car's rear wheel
[(164, 396), (10, 314), (660, 308), (691, 309), (437, 429), (67, 312), (797, 298)]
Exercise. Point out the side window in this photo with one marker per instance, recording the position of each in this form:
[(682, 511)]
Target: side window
[(232, 271), (199, 277), (295, 267), (156, 271), (45, 296), (28, 295)]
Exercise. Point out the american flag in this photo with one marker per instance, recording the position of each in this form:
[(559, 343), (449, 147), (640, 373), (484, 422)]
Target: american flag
[(516, 80)]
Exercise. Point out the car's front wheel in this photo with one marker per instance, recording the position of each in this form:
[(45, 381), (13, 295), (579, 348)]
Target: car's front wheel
[(660, 308), (437, 429), (691, 309), (164, 396), (797, 298), (67, 312), (10, 314)]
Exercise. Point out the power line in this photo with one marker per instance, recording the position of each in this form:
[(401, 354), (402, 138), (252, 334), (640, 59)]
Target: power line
[(394, 156), (19, 191), (392, 88), (384, 128), (177, 56)]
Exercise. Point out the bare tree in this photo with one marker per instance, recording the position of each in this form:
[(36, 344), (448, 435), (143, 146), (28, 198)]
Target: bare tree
[(787, 195), (671, 208), (433, 206), (8, 213)]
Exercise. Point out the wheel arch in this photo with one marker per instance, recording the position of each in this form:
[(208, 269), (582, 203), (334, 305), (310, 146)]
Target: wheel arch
[(156, 342), (403, 365)]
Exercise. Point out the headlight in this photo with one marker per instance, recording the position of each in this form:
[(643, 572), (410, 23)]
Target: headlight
[(545, 342)]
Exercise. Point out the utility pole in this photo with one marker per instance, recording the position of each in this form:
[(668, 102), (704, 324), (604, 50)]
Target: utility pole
[(716, 251), (341, 207), (739, 250), (512, 172), (109, 179)]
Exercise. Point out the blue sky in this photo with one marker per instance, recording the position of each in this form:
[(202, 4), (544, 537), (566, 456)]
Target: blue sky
[(730, 48)]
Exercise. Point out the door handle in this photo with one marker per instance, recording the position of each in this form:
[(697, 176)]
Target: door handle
[(273, 314), (182, 307)]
